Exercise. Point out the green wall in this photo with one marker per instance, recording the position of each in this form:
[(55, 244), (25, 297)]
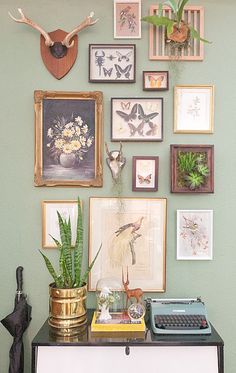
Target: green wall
[(22, 71)]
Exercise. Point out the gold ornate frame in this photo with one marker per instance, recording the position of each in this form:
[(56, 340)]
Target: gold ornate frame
[(39, 98)]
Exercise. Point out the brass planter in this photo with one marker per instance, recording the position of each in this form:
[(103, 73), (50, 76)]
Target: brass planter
[(67, 310)]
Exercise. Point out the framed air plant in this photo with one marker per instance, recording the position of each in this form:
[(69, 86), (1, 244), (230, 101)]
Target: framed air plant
[(145, 174), (194, 234), (192, 168), (155, 80), (127, 19), (112, 63), (68, 138), (133, 236), (137, 119)]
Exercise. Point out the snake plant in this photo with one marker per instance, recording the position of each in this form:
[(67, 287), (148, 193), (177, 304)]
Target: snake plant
[(177, 8), (70, 259)]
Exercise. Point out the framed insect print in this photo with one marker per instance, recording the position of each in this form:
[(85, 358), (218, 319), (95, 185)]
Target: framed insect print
[(155, 80), (193, 109), (137, 119), (194, 234), (127, 19), (112, 63), (145, 174), (68, 138), (133, 235)]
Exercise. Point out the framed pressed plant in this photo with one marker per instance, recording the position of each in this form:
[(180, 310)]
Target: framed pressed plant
[(194, 109), (137, 119), (155, 80), (127, 19), (68, 138), (194, 234), (192, 168), (112, 63), (145, 174), (133, 236)]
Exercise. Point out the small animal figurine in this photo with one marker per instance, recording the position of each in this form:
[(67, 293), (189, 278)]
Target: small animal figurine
[(131, 293)]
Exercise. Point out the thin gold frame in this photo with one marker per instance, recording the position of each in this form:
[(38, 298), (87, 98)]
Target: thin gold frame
[(176, 104), (44, 219), (90, 256), (39, 96)]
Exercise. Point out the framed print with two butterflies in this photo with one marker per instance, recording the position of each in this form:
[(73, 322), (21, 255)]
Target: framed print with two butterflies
[(137, 119), (112, 63)]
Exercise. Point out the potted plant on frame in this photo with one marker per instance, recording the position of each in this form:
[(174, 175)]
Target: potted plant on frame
[(178, 31), (67, 303)]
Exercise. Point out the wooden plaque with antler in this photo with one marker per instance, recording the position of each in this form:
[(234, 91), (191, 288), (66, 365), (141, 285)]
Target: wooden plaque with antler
[(58, 48)]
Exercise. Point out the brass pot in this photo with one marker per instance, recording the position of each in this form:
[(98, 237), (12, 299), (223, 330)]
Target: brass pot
[(67, 310)]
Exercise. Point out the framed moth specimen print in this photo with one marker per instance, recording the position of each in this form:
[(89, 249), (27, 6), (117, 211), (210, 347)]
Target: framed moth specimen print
[(127, 19), (137, 119), (133, 236), (145, 174), (194, 234), (68, 138), (112, 63)]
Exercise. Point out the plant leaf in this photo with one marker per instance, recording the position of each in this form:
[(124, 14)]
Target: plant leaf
[(181, 10), (78, 250), (56, 241), (170, 28), (66, 248), (160, 10), (195, 35), (157, 21), (85, 276), (172, 4), (51, 270)]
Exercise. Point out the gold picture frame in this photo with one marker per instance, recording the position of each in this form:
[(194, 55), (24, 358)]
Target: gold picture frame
[(194, 109), (68, 138), (136, 229)]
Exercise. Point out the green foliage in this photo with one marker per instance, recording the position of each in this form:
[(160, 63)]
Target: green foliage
[(192, 169), (70, 259)]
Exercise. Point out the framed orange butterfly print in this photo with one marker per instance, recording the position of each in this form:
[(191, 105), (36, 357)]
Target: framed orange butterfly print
[(155, 80), (145, 174)]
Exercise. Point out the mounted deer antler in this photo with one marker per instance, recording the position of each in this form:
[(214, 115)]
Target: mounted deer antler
[(115, 161), (58, 44), (136, 293)]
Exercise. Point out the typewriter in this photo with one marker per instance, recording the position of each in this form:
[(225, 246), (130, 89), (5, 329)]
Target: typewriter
[(178, 316)]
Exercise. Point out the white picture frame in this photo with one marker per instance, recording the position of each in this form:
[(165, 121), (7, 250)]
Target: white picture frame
[(194, 109), (127, 19), (194, 235), (50, 227)]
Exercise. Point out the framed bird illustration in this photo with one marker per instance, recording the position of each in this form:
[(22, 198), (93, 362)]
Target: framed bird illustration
[(145, 174)]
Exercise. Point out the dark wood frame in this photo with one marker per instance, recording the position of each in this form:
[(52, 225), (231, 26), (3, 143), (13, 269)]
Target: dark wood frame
[(156, 72), (134, 171), (135, 139), (39, 98), (118, 46), (209, 186)]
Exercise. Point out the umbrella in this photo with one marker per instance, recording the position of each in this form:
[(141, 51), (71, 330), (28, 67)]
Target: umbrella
[(16, 323)]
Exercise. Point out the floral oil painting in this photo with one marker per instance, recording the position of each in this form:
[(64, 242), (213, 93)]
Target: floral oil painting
[(194, 234), (127, 19), (70, 139)]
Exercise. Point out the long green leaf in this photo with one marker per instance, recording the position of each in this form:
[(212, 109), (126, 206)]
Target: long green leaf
[(78, 251), (65, 245), (51, 270), (172, 4), (180, 10), (170, 28), (195, 34), (85, 276), (56, 241), (157, 21), (160, 10)]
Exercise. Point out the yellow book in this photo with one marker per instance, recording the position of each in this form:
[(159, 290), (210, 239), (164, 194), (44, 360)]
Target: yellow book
[(120, 322)]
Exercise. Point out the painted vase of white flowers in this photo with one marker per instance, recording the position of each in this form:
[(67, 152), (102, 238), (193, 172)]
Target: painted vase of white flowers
[(69, 141)]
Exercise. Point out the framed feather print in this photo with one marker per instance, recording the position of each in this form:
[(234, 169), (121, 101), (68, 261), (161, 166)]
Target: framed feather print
[(137, 119), (145, 174), (132, 232), (112, 63)]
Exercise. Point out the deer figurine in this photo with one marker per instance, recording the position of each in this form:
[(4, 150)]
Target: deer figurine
[(131, 293), (115, 161), (58, 48)]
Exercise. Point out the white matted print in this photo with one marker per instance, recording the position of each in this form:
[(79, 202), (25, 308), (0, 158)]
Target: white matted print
[(145, 174), (127, 19), (137, 119), (193, 109), (194, 234), (133, 234), (50, 226)]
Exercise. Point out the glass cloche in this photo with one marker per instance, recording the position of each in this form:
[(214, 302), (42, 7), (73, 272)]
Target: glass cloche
[(110, 297)]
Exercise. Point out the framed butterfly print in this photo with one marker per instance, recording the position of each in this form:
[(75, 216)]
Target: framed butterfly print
[(155, 80), (145, 174), (137, 119), (112, 63)]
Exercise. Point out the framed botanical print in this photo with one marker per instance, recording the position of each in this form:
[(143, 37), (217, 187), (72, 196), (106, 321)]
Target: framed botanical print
[(50, 227), (194, 109), (68, 138), (133, 236), (137, 119), (112, 63), (127, 19), (194, 234), (192, 168), (155, 80), (145, 174)]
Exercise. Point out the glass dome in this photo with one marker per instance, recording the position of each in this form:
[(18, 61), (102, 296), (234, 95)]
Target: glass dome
[(110, 297)]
